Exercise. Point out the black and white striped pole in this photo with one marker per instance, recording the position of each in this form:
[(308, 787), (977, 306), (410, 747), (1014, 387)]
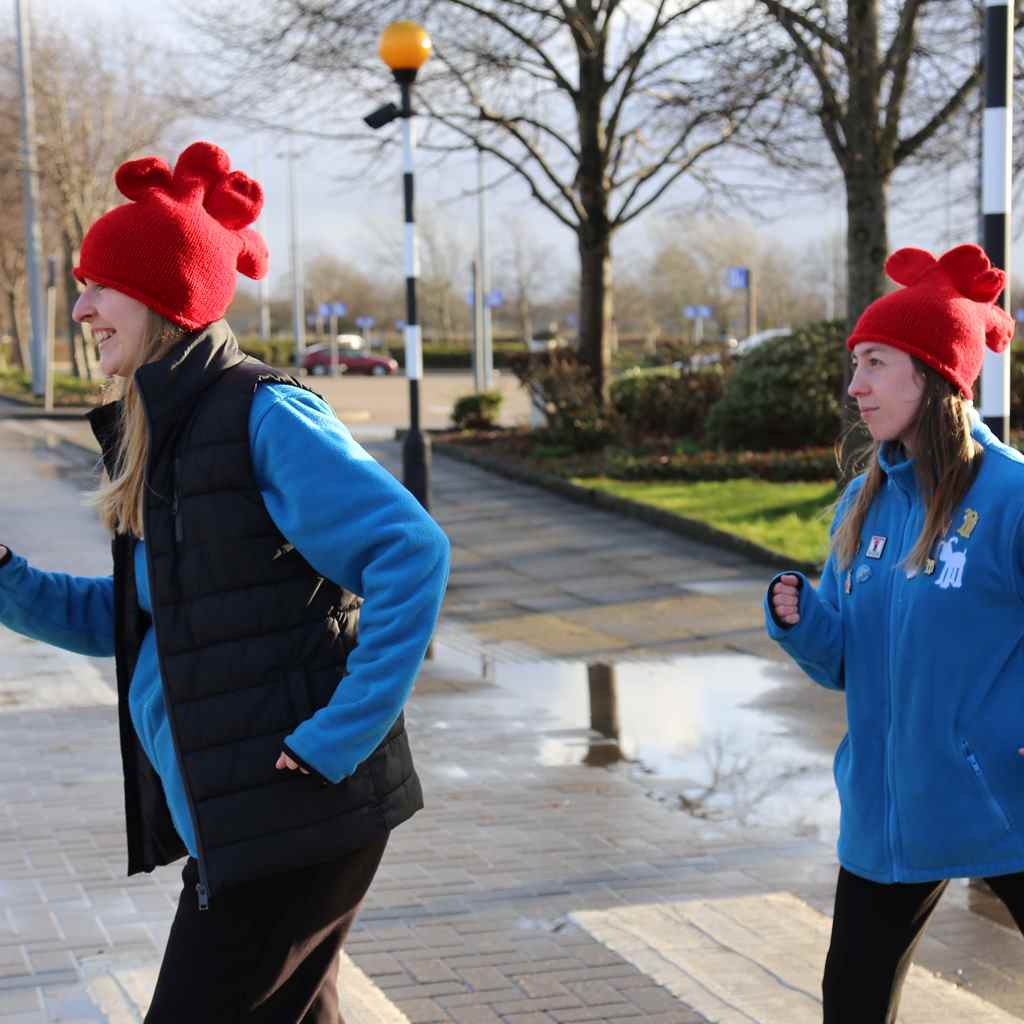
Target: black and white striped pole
[(405, 48), (996, 185)]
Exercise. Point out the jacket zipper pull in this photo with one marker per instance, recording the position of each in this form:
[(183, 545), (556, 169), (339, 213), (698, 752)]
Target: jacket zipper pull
[(204, 896)]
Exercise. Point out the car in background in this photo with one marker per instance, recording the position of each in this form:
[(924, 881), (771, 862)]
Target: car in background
[(317, 361)]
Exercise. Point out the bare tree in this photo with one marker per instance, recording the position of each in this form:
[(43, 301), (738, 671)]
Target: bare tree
[(889, 83), (597, 106), (528, 266), (97, 105)]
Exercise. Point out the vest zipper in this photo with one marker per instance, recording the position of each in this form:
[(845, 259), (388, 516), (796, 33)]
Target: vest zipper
[(203, 885)]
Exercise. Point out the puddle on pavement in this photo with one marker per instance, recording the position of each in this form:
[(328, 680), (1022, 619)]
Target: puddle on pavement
[(722, 738)]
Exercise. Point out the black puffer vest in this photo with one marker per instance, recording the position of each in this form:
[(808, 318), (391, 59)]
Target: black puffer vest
[(251, 641)]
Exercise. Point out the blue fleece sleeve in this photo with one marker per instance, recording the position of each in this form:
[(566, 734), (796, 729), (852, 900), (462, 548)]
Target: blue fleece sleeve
[(359, 527), (815, 643), (73, 612)]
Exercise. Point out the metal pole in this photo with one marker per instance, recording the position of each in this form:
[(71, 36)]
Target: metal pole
[(996, 183), (30, 194), (332, 343), (416, 449), (298, 287), (51, 327), (264, 282), (478, 334), (487, 374), (751, 303)]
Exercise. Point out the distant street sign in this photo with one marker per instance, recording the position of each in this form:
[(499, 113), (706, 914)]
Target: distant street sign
[(705, 312), (690, 312), (737, 278), (1020, 316), (470, 298), (365, 322), (338, 309), (495, 299), (324, 310)]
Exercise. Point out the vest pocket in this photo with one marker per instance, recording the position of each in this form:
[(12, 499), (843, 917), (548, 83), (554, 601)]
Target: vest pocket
[(975, 765)]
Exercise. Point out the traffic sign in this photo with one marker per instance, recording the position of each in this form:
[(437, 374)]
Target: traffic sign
[(365, 321), (324, 310), (338, 309), (495, 299), (705, 312), (737, 278)]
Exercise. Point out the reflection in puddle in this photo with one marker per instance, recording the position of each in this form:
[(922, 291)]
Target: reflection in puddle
[(720, 737)]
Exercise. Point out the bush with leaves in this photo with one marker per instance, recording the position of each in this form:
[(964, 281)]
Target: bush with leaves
[(478, 411), (667, 401), (785, 393), (561, 387)]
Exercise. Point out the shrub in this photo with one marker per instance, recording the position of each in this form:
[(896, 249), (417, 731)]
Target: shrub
[(562, 388), (668, 401), (779, 467), (785, 393), (478, 411)]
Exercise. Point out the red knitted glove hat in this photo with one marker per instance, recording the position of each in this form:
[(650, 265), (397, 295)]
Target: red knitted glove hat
[(944, 316), (177, 245)]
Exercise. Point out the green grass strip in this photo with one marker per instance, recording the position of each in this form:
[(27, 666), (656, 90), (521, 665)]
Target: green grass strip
[(792, 518)]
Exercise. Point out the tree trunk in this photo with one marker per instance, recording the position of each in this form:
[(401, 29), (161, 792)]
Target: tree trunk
[(80, 366), (525, 318), (19, 330), (596, 324), (867, 242), (867, 172), (21, 355)]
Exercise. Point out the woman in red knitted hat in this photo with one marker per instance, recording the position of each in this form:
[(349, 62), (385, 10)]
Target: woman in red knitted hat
[(273, 593), (919, 619)]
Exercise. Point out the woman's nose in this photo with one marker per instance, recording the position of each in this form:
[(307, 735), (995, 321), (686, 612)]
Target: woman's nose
[(83, 309), (856, 385)]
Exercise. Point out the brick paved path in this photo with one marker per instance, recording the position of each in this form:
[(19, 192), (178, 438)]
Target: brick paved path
[(480, 912)]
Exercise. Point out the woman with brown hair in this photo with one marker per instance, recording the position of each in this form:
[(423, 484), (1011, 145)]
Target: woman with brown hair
[(261, 733), (919, 619)]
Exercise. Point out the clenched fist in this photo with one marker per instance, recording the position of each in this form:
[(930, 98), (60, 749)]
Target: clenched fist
[(786, 599)]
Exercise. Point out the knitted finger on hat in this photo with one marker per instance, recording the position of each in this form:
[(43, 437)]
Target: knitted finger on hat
[(944, 315), (180, 242)]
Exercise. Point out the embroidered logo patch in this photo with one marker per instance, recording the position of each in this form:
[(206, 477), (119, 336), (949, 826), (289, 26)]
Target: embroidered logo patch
[(952, 574), (876, 547), (970, 522)]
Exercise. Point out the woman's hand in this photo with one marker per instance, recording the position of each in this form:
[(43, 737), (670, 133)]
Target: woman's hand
[(284, 761), (786, 599)]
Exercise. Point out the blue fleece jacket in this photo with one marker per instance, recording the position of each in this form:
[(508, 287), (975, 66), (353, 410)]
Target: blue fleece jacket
[(930, 782), (351, 520)]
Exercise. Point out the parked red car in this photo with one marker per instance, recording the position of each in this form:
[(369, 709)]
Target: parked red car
[(317, 360)]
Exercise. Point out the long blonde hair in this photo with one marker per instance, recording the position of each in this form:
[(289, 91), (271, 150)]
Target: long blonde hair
[(946, 462), (120, 497)]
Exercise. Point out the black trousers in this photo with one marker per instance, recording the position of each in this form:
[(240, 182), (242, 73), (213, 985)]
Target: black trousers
[(875, 930), (265, 952)]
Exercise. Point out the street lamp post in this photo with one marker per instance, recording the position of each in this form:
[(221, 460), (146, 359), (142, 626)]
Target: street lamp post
[(405, 48)]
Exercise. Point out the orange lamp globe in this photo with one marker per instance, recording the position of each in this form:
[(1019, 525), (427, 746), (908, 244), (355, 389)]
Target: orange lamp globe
[(405, 46)]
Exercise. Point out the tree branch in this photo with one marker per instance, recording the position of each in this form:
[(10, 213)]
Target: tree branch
[(786, 15), (503, 23), (907, 147)]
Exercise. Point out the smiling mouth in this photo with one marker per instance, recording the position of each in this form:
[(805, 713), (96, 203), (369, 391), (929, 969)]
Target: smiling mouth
[(103, 335)]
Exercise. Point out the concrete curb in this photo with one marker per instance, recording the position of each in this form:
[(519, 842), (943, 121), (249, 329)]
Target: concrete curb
[(682, 525), (13, 407)]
